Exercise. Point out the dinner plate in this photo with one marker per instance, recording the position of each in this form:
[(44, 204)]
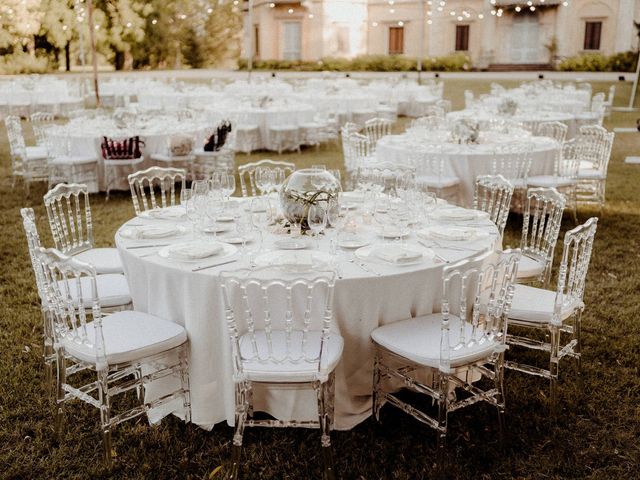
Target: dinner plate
[(452, 234), (458, 215), (149, 232), (237, 239), (224, 218), (368, 254), (191, 251), (176, 212), (295, 261), (216, 228), (291, 243), (393, 232), (353, 241)]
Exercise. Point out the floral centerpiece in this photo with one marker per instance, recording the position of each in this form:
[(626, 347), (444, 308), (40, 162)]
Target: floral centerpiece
[(303, 188), (465, 131), (123, 117), (508, 107)]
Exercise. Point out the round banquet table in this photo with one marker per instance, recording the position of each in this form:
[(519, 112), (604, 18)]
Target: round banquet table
[(466, 161), (84, 137), (363, 301), (530, 118)]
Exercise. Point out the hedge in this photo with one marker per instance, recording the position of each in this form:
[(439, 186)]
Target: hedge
[(596, 62)]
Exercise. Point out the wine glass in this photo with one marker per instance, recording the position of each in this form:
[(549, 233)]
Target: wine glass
[(228, 185), (336, 219), (244, 226), (261, 216), (336, 173), (316, 221), (278, 179), (263, 179), (429, 203), (214, 206)]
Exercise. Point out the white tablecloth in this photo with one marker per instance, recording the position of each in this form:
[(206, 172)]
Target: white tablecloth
[(531, 118), (363, 301), (467, 161)]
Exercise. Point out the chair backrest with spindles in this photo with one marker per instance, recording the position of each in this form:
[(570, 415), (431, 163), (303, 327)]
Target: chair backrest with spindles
[(376, 128), (247, 174), (492, 194), (155, 187), (541, 226), (556, 130), (34, 244), (271, 318), (478, 291), (69, 215)]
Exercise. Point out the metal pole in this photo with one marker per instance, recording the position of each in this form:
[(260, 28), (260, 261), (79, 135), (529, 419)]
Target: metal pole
[(81, 35), (635, 84), (94, 56), (421, 50), (250, 46)]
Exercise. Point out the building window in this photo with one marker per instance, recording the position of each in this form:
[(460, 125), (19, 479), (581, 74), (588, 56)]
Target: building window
[(256, 41), (292, 41), (396, 40), (462, 38), (592, 33)]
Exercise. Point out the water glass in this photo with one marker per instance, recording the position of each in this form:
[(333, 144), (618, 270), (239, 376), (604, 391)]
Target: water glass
[(316, 221)]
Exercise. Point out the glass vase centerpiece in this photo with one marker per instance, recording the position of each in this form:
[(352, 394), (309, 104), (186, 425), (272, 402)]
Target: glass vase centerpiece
[(465, 131), (306, 187), (508, 107)]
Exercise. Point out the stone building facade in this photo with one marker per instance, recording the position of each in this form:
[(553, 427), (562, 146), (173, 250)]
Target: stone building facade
[(489, 31)]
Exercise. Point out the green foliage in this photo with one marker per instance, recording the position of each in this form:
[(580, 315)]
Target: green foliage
[(21, 62), (368, 63), (596, 62)]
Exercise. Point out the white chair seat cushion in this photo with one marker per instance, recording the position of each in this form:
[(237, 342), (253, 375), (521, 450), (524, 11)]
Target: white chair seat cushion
[(36, 153), (104, 260), (246, 127), (529, 267), (418, 339), (438, 182), (591, 174), (549, 181), (73, 160), (161, 157), (113, 290), (283, 128), (129, 336), (287, 371), (532, 304), (122, 162)]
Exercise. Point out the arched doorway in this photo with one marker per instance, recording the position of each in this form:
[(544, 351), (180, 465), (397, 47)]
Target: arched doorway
[(525, 38)]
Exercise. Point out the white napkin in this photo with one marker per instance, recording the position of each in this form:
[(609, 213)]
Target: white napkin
[(395, 253), (169, 212), (447, 233), (455, 214), (194, 250), (301, 260), (149, 231)]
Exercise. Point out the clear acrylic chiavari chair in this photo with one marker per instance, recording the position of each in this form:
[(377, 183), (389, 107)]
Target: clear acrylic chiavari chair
[(115, 347), (492, 194), (39, 122), (375, 129), (540, 229), (360, 151), (556, 130), (71, 224), (556, 313), (594, 146), (155, 187), (67, 168), (280, 331), (462, 342), (513, 162), (565, 175), (431, 173), (247, 174), (27, 163), (113, 290)]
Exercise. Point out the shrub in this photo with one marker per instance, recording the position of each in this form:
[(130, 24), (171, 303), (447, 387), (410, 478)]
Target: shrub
[(371, 63), (596, 62), (21, 62)]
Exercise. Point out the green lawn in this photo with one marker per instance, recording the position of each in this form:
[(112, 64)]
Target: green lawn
[(596, 434)]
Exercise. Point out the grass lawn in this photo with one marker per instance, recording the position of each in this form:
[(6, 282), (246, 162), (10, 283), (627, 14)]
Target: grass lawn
[(595, 435)]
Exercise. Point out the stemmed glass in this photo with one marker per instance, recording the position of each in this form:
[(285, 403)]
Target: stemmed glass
[(263, 179), (337, 220), (429, 203), (261, 216), (214, 207), (317, 221), (243, 228), (278, 179), (186, 200)]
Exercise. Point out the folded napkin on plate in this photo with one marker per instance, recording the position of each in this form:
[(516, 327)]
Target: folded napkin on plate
[(149, 231), (451, 234), (295, 259), (395, 253), (193, 251), (455, 214), (169, 212)]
